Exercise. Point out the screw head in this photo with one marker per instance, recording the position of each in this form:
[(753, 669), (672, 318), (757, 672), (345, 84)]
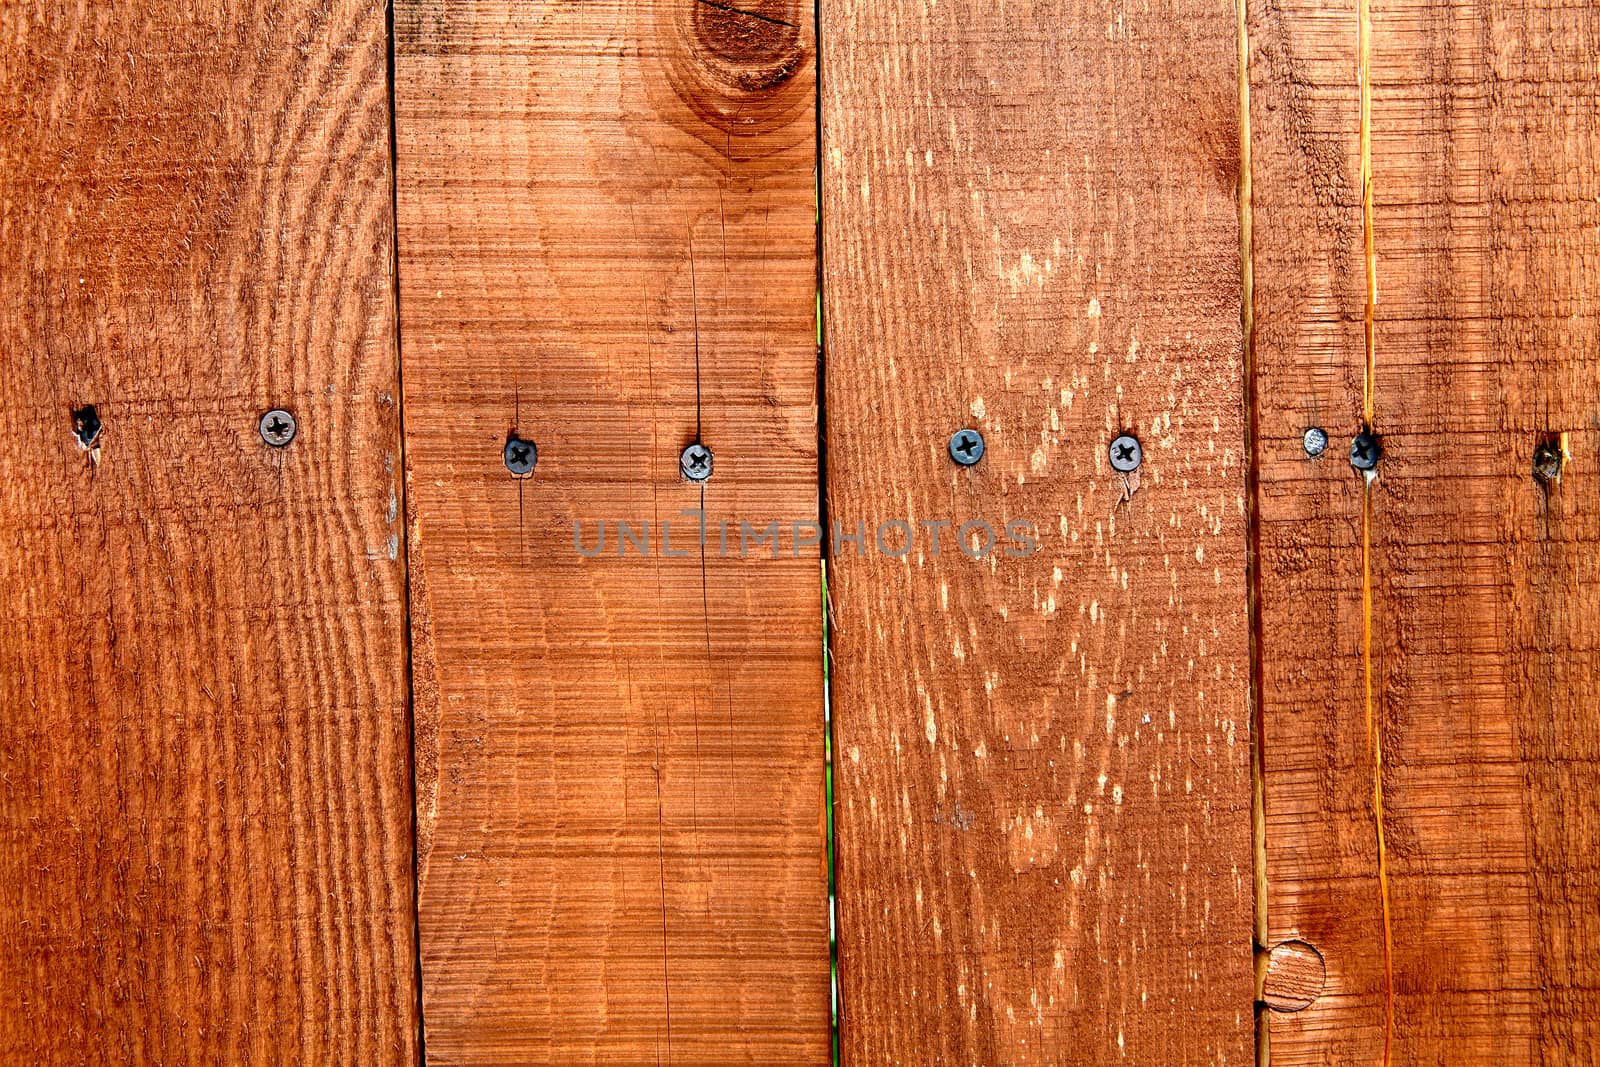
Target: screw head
[(1316, 441), (277, 428), (520, 456), (966, 447), (1547, 461), (1125, 453), (695, 463), (1366, 450)]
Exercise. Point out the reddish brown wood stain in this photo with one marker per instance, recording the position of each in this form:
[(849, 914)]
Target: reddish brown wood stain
[(1043, 783), (607, 243), (607, 218), (205, 810), (1484, 597)]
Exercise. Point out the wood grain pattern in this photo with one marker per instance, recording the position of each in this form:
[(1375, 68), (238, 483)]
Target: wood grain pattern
[(607, 240), (205, 810), (1463, 586), (1043, 791)]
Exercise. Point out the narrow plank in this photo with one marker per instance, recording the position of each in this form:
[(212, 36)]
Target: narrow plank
[(1308, 359), (1043, 789), (205, 809), (607, 236), (1483, 579)]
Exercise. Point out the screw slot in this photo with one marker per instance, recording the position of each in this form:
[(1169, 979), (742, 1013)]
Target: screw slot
[(520, 456), (966, 447), (1125, 453), (1316, 441), (695, 462), (277, 428), (1366, 450)]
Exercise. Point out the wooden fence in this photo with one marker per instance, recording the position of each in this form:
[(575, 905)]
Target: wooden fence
[(329, 737)]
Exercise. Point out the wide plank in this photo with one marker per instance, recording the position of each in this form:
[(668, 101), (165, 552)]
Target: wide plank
[(205, 791), (1043, 787), (607, 240), (1431, 634)]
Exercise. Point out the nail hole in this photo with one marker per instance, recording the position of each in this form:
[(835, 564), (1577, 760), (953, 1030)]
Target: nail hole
[(86, 425), (1126, 455), (1548, 458), (695, 463), (277, 428)]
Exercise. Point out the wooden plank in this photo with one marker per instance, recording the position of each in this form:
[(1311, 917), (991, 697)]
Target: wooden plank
[(1043, 791), (1308, 314), (607, 240), (205, 809), (1431, 640)]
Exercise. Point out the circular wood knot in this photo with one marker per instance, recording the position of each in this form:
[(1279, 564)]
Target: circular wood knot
[(1295, 976), (751, 46)]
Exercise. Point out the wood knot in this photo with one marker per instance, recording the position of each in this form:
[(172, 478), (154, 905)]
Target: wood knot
[(750, 46), (1295, 976), (739, 75)]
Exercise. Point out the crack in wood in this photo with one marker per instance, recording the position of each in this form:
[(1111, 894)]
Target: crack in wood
[(730, 9)]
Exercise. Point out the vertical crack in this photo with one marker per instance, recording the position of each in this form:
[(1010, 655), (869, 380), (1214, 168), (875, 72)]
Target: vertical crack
[(694, 311), (1375, 743), (824, 520), (1364, 78), (405, 517), (1247, 315), (661, 865), (1368, 415)]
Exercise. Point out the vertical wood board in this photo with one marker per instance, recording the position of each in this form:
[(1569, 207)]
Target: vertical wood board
[(1462, 584), (205, 809), (607, 235), (1043, 792)]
